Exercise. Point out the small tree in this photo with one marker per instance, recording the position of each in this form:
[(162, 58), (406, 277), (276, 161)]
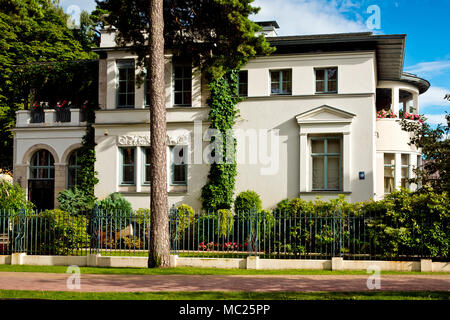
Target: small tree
[(435, 146)]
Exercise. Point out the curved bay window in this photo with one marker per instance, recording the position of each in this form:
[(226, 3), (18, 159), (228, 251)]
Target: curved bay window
[(73, 167), (42, 180)]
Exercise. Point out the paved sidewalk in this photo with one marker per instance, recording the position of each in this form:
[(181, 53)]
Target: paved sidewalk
[(268, 283)]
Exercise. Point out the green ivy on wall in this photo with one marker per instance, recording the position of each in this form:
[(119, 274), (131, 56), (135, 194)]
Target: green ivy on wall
[(219, 189)]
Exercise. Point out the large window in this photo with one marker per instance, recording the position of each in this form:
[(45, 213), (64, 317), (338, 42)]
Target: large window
[(389, 172), (326, 80), (42, 166), (281, 82), (243, 83), (182, 85), (125, 80), (326, 163), (127, 166), (146, 165), (178, 159), (73, 167), (405, 171), (147, 96)]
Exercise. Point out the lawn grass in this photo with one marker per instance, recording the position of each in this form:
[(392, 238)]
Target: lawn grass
[(213, 295), (196, 271)]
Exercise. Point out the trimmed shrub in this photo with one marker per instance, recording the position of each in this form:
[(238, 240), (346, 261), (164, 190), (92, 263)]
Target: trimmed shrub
[(183, 220), (247, 201), (75, 201), (60, 233), (115, 203)]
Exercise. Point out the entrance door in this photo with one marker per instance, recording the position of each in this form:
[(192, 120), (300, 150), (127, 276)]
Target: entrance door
[(41, 193), (42, 180)]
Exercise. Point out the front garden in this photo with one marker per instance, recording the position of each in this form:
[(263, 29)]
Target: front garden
[(403, 226)]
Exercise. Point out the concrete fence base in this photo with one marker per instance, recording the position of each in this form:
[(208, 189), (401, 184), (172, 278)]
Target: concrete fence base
[(251, 262)]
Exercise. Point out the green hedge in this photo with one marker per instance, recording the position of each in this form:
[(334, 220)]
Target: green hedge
[(57, 232)]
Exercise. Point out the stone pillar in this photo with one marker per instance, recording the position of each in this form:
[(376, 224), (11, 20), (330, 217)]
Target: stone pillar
[(92, 260), (395, 100), (416, 103), (304, 186), (50, 116), (60, 180), (138, 169), (337, 263), (17, 258), (173, 261), (347, 156), (102, 83), (426, 265), (253, 262), (75, 117), (398, 171), (196, 87)]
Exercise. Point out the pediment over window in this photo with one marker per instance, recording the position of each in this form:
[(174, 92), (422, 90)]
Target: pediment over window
[(325, 114)]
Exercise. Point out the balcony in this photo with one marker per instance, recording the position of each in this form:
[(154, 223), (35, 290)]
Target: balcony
[(391, 137), (62, 117)]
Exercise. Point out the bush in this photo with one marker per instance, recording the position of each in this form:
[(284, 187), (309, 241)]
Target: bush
[(60, 232), (13, 197), (247, 201), (115, 203), (183, 220), (75, 201)]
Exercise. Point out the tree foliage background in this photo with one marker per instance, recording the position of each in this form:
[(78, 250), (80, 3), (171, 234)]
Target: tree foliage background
[(435, 146), (33, 32)]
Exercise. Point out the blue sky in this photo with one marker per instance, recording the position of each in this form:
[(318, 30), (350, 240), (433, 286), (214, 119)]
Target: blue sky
[(426, 23)]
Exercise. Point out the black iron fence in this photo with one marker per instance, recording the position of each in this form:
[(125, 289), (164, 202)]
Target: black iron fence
[(269, 235)]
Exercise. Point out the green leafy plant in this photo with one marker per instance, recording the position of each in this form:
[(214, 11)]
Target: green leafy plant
[(247, 201), (75, 201), (182, 220), (115, 203), (13, 197), (60, 232)]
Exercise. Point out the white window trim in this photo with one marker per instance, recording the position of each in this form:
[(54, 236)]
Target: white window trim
[(339, 123)]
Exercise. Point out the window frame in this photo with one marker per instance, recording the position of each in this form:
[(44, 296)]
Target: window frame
[(172, 165), (122, 166), (76, 167), (325, 156), (49, 168), (325, 80), (280, 82), (126, 64), (239, 93), (146, 88), (144, 166), (389, 166), (407, 167), (183, 78)]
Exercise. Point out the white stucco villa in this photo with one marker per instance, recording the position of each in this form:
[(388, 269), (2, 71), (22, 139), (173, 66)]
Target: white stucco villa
[(316, 99)]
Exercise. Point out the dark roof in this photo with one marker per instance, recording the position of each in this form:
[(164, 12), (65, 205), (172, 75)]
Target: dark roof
[(268, 24), (389, 49)]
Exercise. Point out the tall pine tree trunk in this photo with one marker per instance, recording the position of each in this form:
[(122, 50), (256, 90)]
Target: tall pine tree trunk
[(159, 251)]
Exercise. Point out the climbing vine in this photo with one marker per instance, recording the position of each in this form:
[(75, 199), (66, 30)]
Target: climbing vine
[(218, 191)]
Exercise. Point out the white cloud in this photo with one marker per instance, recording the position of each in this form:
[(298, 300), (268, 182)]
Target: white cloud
[(434, 97), (429, 69), (436, 119), (297, 17)]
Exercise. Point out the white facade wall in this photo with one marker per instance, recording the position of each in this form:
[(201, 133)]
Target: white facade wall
[(274, 173)]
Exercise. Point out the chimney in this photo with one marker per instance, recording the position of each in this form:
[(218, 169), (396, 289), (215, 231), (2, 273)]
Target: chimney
[(268, 28)]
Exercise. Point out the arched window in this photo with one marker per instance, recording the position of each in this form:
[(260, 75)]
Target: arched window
[(73, 167), (42, 166)]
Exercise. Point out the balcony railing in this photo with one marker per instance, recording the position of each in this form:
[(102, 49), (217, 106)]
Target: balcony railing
[(63, 116)]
